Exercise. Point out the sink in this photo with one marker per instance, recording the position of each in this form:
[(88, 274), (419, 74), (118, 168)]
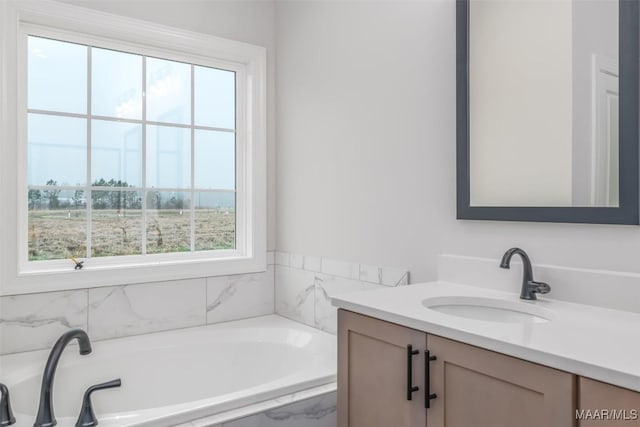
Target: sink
[(489, 309)]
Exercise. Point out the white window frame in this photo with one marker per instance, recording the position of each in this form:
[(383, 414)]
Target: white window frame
[(84, 26)]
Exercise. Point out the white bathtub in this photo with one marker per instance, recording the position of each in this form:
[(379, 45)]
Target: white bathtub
[(174, 377)]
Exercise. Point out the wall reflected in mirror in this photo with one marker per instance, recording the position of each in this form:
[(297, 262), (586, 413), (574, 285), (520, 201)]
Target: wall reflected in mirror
[(543, 103)]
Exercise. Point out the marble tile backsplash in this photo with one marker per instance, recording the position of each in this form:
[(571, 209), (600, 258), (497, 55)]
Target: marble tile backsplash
[(35, 321), (144, 308), (305, 285), (387, 276), (240, 296), (299, 287)]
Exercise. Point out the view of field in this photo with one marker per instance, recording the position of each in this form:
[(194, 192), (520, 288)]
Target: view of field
[(61, 233)]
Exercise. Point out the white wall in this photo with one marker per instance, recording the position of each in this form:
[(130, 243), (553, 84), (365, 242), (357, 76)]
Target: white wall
[(366, 146), (251, 21), (365, 129)]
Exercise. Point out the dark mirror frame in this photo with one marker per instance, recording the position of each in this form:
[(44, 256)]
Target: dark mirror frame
[(627, 212)]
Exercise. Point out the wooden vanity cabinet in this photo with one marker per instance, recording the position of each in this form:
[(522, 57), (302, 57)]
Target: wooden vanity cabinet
[(478, 387), (622, 406), (473, 387), (373, 366)]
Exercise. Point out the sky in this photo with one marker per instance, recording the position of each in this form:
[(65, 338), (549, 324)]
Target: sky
[(57, 145)]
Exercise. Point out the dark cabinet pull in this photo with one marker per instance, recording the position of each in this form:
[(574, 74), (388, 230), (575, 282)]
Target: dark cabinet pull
[(427, 379), (410, 387)]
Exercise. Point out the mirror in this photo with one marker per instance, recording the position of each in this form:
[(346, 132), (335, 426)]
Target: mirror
[(548, 110)]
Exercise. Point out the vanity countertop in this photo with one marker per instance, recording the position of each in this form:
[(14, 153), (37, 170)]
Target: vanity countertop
[(590, 341)]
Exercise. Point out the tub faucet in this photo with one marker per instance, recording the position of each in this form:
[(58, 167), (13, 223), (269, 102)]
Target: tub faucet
[(46, 417), (6, 415), (529, 286)]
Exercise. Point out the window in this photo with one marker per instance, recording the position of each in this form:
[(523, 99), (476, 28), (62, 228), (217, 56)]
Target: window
[(139, 152), (127, 154)]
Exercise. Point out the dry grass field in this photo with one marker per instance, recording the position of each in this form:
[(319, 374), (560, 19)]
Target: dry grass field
[(59, 234)]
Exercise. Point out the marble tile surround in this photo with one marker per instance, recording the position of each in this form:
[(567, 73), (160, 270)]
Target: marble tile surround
[(34, 321), (240, 296), (149, 307), (387, 276), (305, 285), (315, 407), (296, 286), (315, 412)]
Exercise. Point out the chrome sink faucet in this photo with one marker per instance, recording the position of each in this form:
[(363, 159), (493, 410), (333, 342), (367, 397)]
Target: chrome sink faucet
[(46, 417), (529, 286)]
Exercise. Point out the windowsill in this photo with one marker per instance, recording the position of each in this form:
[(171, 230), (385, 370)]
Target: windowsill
[(36, 281)]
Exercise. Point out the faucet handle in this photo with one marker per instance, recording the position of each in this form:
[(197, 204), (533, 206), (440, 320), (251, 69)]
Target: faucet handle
[(6, 414), (541, 287), (87, 417)]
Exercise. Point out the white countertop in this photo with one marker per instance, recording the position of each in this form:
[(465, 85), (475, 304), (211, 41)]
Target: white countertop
[(593, 342)]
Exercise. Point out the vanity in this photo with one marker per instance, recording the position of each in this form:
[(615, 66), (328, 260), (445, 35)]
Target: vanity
[(442, 354), (547, 102)]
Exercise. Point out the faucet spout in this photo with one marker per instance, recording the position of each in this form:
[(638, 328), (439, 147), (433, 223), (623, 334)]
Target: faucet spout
[(46, 417), (529, 286)]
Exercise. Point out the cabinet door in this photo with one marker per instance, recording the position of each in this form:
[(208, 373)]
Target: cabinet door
[(605, 405), (373, 374), (481, 388)]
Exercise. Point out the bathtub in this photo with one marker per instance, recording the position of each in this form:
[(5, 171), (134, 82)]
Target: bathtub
[(174, 377)]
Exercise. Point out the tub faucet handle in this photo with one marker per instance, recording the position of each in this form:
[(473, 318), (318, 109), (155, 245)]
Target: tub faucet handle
[(6, 414), (87, 417)]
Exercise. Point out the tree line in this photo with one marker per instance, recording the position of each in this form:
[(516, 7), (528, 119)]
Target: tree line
[(102, 199)]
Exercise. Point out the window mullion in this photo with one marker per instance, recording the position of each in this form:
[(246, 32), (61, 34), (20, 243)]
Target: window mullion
[(192, 211), (144, 157), (89, 208)]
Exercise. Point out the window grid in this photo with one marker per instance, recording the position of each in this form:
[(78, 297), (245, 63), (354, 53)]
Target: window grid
[(143, 189), (87, 191), (143, 241), (192, 218), (126, 120)]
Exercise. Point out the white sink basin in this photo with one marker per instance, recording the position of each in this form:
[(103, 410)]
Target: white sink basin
[(489, 309)]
